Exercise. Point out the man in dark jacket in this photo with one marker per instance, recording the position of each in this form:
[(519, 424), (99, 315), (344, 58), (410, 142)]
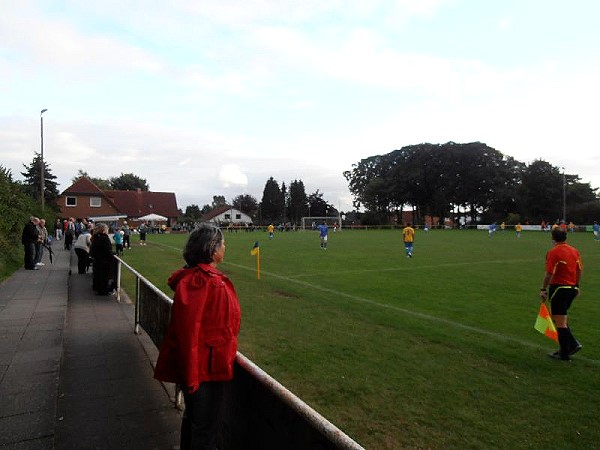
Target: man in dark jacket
[(29, 239)]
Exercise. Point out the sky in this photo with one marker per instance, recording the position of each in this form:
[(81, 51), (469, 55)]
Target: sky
[(206, 98)]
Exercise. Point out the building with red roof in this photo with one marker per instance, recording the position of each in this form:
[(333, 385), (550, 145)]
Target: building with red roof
[(83, 199)]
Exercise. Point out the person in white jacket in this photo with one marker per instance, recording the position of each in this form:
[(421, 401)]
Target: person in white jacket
[(82, 249)]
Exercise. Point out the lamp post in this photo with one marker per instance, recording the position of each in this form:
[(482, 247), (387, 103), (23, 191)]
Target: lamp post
[(42, 181), (564, 208)]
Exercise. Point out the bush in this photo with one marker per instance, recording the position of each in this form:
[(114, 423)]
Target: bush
[(15, 209)]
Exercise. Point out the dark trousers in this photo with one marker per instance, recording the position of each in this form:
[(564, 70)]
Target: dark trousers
[(101, 276), (29, 256), (82, 260), (202, 416), (68, 240)]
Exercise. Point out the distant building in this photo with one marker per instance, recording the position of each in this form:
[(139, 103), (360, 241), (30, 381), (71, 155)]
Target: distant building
[(227, 215), (83, 199)]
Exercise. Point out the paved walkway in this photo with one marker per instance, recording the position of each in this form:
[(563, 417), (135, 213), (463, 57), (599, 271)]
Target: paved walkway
[(73, 375)]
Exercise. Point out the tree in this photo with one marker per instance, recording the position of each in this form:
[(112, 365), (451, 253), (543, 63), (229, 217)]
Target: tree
[(102, 183), (218, 201), (297, 205), (128, 182), (284, 201), (318, 206), (436, 179), (271, 205), (33, 178), (247, 204), (193, 212), (540, 192)]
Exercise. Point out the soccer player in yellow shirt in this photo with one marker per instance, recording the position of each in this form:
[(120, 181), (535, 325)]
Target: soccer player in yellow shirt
[(408, 235), (271, 230)]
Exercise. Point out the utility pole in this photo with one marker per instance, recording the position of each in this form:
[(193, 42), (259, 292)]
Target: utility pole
[(42, 175), (564, 208)]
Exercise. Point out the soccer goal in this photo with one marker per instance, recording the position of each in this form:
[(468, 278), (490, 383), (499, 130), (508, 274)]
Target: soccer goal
[(307, 222)]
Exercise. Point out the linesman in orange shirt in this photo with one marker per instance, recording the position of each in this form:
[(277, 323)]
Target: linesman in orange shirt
[(561, 286)]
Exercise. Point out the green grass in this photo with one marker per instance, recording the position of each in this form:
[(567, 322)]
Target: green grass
[(437, 351), (11, 257)]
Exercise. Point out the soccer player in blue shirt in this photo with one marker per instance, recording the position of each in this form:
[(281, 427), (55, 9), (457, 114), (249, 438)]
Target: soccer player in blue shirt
[(323, 235)]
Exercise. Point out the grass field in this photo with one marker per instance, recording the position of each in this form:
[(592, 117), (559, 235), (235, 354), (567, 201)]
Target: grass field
[(437, 351)]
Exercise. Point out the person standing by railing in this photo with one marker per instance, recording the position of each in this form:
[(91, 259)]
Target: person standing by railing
[(101, 252), (200, 345)]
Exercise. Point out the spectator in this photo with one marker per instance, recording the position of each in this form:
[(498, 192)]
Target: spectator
[(200, 345), (29, 239), (118, 238), (42, 241), (101, 252), (58, 230), (82, 249), (126, 235)]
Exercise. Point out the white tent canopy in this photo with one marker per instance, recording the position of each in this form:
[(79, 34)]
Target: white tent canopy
[(153, 217), (107, 218)]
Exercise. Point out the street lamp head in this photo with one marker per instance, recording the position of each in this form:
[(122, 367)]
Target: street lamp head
[(43, 111)]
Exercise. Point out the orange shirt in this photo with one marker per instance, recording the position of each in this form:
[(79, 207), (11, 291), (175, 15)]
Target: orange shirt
[(564, 263)]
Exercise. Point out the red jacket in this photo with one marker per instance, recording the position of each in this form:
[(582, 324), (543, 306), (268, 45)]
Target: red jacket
[(201, 340)]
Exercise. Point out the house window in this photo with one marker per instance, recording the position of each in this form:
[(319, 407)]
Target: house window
[(95, 202), (227, 216), (238, 217), (71, 201)]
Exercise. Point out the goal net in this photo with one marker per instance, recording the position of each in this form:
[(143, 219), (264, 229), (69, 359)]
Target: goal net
[(310, 223)]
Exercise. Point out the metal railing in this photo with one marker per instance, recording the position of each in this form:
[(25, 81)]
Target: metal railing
[(259, 411)]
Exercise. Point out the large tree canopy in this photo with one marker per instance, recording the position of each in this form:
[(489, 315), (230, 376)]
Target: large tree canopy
[(129, 182), (441, 179)]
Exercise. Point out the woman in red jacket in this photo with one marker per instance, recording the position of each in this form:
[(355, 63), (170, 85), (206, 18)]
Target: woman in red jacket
[(200, 345)]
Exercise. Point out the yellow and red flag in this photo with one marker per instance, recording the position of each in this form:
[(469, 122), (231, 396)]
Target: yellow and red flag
[(545, 325), (256, 251)]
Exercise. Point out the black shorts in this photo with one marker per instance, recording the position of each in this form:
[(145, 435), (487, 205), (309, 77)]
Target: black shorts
[(561, 298)]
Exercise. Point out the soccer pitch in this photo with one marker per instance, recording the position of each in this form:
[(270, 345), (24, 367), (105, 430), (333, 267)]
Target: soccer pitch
[(437, 351)]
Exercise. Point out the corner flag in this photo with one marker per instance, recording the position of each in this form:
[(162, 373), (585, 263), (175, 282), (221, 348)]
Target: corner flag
[(256, 251), (545, 325)]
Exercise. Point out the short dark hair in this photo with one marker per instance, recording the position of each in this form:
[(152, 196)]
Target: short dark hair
[(559, 235), (202, 244)]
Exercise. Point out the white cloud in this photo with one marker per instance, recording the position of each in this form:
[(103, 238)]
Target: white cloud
[(63, 45), (231, 175)]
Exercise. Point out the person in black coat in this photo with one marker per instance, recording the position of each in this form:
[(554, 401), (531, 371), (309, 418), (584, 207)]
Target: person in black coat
[(102, 254), (29, 239)]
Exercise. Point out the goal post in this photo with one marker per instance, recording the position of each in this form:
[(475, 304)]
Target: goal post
[(307, 222)]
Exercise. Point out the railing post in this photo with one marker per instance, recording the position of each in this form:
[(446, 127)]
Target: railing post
[(179, 403), (118, 281), (137, 305)]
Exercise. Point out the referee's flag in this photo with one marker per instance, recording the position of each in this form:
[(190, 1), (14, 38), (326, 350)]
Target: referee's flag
[(256, 251), (545, 325)]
